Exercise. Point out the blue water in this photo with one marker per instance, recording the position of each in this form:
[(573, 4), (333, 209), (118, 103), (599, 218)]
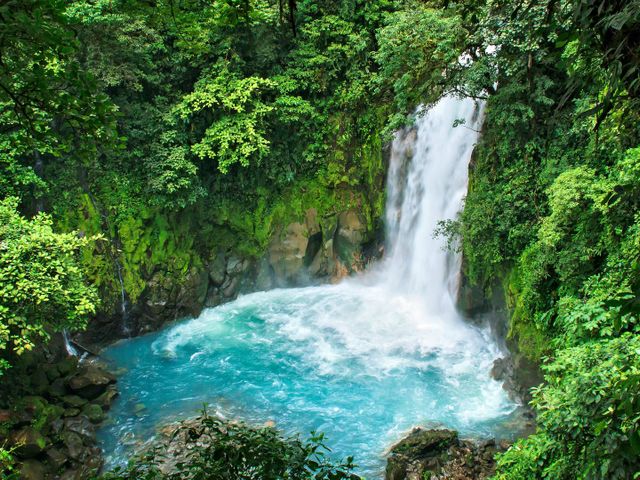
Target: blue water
[(357, 362)]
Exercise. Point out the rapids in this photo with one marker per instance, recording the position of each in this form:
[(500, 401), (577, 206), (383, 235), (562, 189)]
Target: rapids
[(361, 361)]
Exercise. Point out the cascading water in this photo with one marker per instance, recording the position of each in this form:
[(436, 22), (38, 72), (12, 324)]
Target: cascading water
[(124, 313), (362, 361), (68, 345)]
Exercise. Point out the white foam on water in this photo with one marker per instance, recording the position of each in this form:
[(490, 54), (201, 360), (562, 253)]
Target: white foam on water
[(402, 314), (385, 334)]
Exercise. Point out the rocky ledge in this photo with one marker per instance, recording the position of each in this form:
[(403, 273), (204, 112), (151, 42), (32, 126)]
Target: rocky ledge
[(53, 431), (441, 455)]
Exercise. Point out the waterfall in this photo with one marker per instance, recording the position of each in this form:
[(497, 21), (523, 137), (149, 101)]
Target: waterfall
[(68, 345), (427, 182), (363, 360)]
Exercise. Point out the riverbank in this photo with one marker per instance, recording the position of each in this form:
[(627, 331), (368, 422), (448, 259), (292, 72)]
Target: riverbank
[(50, 414)]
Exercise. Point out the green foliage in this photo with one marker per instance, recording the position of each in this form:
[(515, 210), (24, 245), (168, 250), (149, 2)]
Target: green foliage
[(238, 134), (42, 285), (7, 463), (47, 103), (588, 416), (417, 48), (217, 450)]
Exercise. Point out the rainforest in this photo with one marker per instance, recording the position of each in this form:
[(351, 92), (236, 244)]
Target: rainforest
[(310, 239)]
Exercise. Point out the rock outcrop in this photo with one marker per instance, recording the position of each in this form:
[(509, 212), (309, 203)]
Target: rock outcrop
[(311, 249), (53, 433), (441, 455)]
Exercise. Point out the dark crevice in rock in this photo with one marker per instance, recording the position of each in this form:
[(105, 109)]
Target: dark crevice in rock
[(313, 247)]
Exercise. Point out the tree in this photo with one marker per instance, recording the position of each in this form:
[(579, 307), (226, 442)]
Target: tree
[(41, 284), (47, 103)]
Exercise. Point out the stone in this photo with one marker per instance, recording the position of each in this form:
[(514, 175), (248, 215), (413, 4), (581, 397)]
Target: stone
[(235, 265), (193, 292), (74, 444), (218, 269), (90, 382), (264, 275), (53, 413), (71, 412), (93, 412), (67, 365), (231, 290), (57, 426), (32, 470), (287, 253), (350, 234), (29, 441), (420, 454), (81, 426), (56, 458), (214, 297), (106, 399), (58, 388), (74, 401)]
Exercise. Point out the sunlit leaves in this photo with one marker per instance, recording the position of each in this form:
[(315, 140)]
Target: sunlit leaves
[(41, 283), (237, 134)]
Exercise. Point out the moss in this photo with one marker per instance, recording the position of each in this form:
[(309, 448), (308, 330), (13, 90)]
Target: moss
[(528, 338)]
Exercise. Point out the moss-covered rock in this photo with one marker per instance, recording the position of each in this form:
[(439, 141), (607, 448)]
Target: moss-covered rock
[(29, 442)]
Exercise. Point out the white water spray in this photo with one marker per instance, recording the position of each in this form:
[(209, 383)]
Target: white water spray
[(400, 315), (426, 184), (362, 361), (68, 345)]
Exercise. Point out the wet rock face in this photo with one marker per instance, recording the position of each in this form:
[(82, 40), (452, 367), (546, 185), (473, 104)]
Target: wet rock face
[(441, 455), (312, 249), (518, 376), (164, 299)]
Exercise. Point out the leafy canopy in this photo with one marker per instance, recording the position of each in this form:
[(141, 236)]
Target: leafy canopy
[(42, 286)]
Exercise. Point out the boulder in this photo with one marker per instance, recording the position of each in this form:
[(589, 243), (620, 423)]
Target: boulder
[(106, 399), (192, 292), (230, 288), (81, 426), (421, 453), (90, 382), (350, 235), (214, 297), (264, 275), (74, 444), (56, 458), (29, 441), (32, 470), (93, 412), (236, 266), (74, 401)]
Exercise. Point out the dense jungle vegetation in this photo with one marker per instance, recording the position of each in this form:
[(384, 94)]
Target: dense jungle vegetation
[(150, 131)]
